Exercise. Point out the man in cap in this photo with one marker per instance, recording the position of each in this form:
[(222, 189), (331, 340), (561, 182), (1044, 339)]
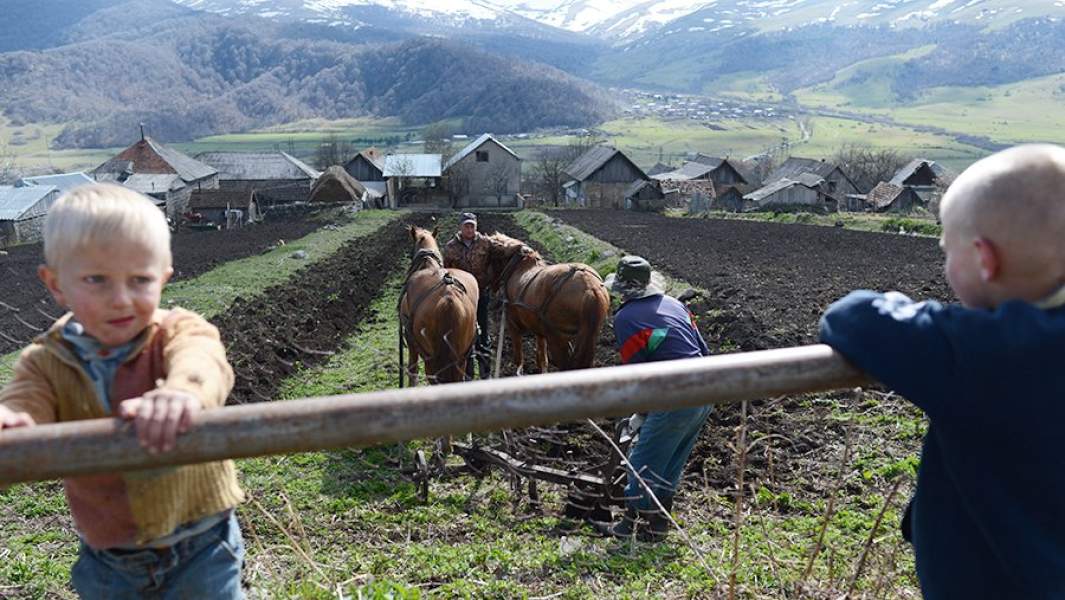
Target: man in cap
[(653, 326), (468, 251)]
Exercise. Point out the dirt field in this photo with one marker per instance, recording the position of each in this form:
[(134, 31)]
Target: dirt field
[(771, 281), (194, 253), (308, 317)]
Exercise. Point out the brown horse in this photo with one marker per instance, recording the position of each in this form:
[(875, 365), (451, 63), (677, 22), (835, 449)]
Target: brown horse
[(563, 305), (437, 314)]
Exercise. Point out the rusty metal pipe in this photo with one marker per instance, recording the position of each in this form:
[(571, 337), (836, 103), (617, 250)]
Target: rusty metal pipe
[(359, 420)]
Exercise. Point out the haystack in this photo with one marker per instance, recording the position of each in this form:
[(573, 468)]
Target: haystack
[(337, 186)]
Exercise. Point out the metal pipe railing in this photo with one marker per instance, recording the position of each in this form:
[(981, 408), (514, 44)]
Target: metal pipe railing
[(359, 420)]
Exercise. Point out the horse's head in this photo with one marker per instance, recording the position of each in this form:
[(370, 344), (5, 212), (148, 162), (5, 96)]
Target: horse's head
[(424, 245), (505, 254)]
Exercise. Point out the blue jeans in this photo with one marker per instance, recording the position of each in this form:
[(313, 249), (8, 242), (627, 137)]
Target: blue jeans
[(205, 566), (666, 440)]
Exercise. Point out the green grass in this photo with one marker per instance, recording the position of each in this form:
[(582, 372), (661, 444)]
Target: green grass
[(213, 291), (7, 363)]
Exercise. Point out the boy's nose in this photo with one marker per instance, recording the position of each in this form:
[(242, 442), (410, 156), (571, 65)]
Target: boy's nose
[(120, 296)]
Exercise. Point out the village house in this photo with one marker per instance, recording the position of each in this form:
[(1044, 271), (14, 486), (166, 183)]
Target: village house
[(484, 174), (925, 177), (22, 212), (160, 172), (256, 170), (723, 171), (414, 179), (600, 177), (836, 182), (222, 208), (806, 191)]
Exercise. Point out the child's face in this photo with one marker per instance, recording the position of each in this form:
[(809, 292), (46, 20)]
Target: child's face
[(113, 289)]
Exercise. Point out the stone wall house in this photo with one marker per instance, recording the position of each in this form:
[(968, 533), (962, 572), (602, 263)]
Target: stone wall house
[(22, 212), (484, 174)]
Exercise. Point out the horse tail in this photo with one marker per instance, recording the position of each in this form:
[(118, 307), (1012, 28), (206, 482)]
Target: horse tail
[(446, 355), (594, 307)]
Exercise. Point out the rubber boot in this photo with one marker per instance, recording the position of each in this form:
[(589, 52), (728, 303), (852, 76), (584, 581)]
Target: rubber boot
[(622, 528), (658, 522)]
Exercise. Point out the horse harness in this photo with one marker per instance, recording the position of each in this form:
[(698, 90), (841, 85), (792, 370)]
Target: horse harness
[(418, 257), (541, 311)]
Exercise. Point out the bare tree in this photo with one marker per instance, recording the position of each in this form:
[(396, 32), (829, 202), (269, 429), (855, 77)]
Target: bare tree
[(459, 180), (868, 166), (438, 140), (333, 151), (549, 168), (9, 170), (499, 177)]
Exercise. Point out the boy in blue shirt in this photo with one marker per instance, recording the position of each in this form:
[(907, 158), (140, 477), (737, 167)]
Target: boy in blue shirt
[(652, 326), (987, 518)]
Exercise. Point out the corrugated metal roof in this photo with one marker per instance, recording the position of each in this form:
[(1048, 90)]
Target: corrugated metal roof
[(63, 181), (475, 144), (257, 165), (412, 165), (16, 202), (376, 189), (795, 166), (689, 170)]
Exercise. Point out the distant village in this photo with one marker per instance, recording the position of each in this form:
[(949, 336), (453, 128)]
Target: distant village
[(225, 190)]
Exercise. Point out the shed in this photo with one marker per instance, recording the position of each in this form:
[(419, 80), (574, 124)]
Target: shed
[(645, 195), (229, 209), (888, 197), (22, 212), (919, 172), (805, 192), (600, 177), (414, 179), (367, 165)]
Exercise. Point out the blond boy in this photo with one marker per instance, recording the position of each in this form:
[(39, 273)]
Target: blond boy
[(169, 532), (987, 519)]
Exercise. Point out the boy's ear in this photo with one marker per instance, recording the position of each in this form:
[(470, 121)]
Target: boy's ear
[(50, 279), (988, 256), (167, 274)]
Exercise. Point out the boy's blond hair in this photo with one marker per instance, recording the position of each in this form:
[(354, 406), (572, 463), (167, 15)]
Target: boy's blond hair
[(98, 213)]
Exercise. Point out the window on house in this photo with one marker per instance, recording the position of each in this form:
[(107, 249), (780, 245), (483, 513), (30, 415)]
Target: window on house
[(482, 156), (831, 186)]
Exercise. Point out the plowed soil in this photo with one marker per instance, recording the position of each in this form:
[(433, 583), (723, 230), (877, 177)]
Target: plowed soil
[(28, 309), (308, 317), (774, 279)]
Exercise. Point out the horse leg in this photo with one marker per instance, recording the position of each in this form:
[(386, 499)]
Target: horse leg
[(541, 353)]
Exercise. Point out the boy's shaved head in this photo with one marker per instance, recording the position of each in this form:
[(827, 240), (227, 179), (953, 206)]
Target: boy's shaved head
[(1015, 199)]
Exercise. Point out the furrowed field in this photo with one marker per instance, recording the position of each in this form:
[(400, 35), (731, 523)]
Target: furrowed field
[(824, 476)]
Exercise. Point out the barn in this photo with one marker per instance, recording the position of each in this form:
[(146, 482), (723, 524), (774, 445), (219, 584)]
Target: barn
[(600, 177)]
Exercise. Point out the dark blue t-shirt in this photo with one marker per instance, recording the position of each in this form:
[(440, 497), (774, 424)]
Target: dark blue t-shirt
[(989, 508), (657, 328)]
